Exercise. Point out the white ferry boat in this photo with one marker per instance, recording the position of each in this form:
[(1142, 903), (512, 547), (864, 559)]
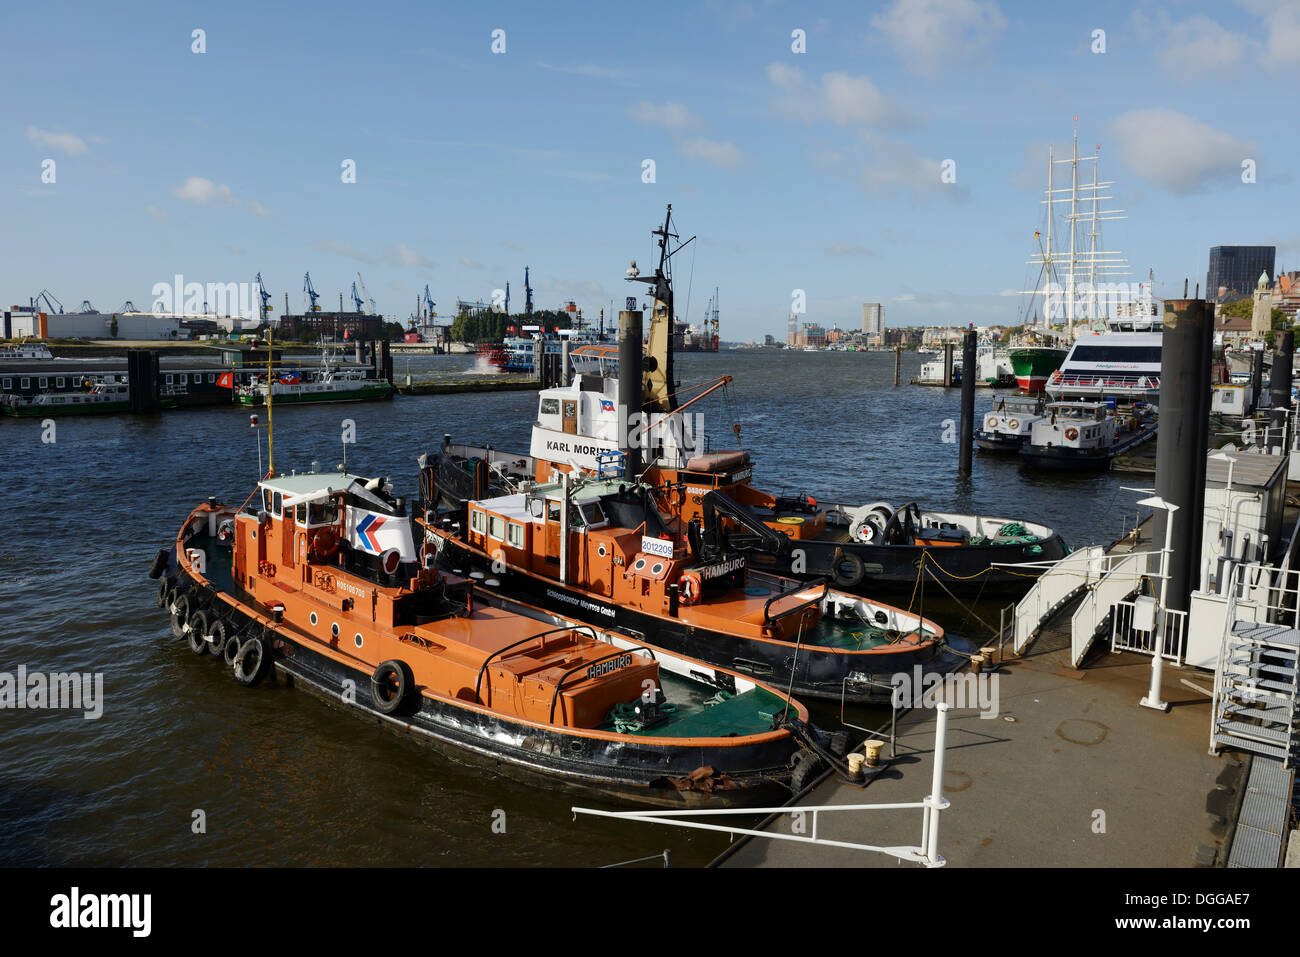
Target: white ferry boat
[(25, 351), (1008, 425)]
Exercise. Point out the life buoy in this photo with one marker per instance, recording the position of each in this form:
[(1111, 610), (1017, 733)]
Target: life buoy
[(1013, 424), (991, 423), (689, 587), (1071, 433), (325, 543)]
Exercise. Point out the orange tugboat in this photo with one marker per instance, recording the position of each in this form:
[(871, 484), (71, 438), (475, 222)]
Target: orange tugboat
[(317, 580)]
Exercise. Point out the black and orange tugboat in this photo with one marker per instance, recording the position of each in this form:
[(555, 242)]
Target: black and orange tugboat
[(592, 420), (317, 580), (600, 551)]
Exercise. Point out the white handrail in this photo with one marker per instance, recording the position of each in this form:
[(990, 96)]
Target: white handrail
[(1056, 585)]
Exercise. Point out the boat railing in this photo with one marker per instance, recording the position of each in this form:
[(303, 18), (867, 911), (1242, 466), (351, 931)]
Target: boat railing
[(769, 618), (539, 637), (587, 666), (1103, 381), (1122, 576), (1060, 582)]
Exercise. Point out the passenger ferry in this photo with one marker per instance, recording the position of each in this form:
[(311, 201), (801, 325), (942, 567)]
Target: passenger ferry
[(24, 352), (1085, 436)]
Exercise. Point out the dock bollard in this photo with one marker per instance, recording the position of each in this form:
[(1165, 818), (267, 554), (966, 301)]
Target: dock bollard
[(855, 766), (872, 750), (976, 663), (988, 657)]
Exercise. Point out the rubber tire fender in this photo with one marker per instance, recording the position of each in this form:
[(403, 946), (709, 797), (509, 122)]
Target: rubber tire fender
[(220, 632), (253, 663), (856, 569), (159, 564), (198, 634), (165, 592), (180, 615), (804, 768), (230, 651), (388, 672)]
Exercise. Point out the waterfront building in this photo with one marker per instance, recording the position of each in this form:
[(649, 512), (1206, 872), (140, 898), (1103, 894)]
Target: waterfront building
[(873, 318)]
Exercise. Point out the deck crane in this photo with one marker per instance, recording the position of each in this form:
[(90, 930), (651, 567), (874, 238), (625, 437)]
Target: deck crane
[(356, 300), (56, 307), (365, 294), (311, 292), (265, 306)]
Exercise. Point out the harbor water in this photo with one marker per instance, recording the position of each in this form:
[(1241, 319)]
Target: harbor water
[(185, 767)]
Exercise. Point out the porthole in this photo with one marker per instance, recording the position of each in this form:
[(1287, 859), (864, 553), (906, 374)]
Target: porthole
[(313, 618), (334, 629), (601, 550), (657, 568), (358, 640), (640, 564)]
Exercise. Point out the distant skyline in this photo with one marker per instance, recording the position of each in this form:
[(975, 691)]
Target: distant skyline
[(900, 158)]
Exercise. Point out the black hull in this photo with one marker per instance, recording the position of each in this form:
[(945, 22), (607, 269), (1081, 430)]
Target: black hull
[(964, 570), (817, 674), (998, 442), (620, 769)]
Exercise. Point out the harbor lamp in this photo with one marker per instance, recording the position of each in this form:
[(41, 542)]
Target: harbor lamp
[(1152, 700)]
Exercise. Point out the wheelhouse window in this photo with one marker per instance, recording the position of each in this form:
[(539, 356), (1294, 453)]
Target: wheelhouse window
[(322, 513), (593, 515), (549, 406), (515, 535), (496, 527), (277, 504), (300, 513), (477, 521)]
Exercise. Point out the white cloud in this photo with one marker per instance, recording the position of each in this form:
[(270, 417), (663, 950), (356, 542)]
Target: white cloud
[(927, 34), (895, 166), (469, 263), (586, 69), (842, 98), (197, 189), (1282, 48), (1200, 44), (71, 144), (159, 215), (718, 152), (235, 250), (402, 256), (671, 116), (204, 192), (1183, 155)]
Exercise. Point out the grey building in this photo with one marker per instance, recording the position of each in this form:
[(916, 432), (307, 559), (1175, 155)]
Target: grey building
[(873, 318), (1237, 268)]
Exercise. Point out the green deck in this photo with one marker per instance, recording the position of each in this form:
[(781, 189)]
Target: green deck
[(747, 713)]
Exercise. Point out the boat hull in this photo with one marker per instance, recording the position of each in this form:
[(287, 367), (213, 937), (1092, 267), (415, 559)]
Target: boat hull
[(1033, 365), (815, 672), (619, 767), (999, 441), (374, 393)]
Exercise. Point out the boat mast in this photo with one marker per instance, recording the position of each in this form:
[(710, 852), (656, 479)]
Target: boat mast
[(270, 432), (1074, 198), (1047, 289), (1092, 247)]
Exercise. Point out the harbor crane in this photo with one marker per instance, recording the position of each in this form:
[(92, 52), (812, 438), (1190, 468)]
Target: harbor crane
[(265, 306), (359, 306), (310, 292), (54, 305), (364, 294), (128, 306), (429, 314), (88, 308)]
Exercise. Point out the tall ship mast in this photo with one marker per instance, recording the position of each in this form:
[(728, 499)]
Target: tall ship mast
[(1073, 284)]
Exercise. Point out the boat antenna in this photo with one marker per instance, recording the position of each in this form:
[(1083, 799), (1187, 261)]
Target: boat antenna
[(270, 389)]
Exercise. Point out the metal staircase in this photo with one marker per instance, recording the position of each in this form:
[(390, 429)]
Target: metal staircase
[(1257, 681)]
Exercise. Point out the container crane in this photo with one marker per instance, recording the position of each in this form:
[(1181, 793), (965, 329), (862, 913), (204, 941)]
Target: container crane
[(56, 307), (429, 314), (311, 292), (356, 300), (265, 307), (366, 294), (128, 306), (88, 308)]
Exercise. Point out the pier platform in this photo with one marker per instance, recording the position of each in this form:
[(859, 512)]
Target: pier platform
[(1071, 772)]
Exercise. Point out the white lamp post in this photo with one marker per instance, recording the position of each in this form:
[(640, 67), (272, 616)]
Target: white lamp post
[(1152, 700)]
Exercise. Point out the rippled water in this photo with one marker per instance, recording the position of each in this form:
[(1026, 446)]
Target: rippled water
[(283, 779)]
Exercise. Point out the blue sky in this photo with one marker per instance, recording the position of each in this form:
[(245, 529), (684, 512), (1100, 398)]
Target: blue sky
[(818, 171)]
